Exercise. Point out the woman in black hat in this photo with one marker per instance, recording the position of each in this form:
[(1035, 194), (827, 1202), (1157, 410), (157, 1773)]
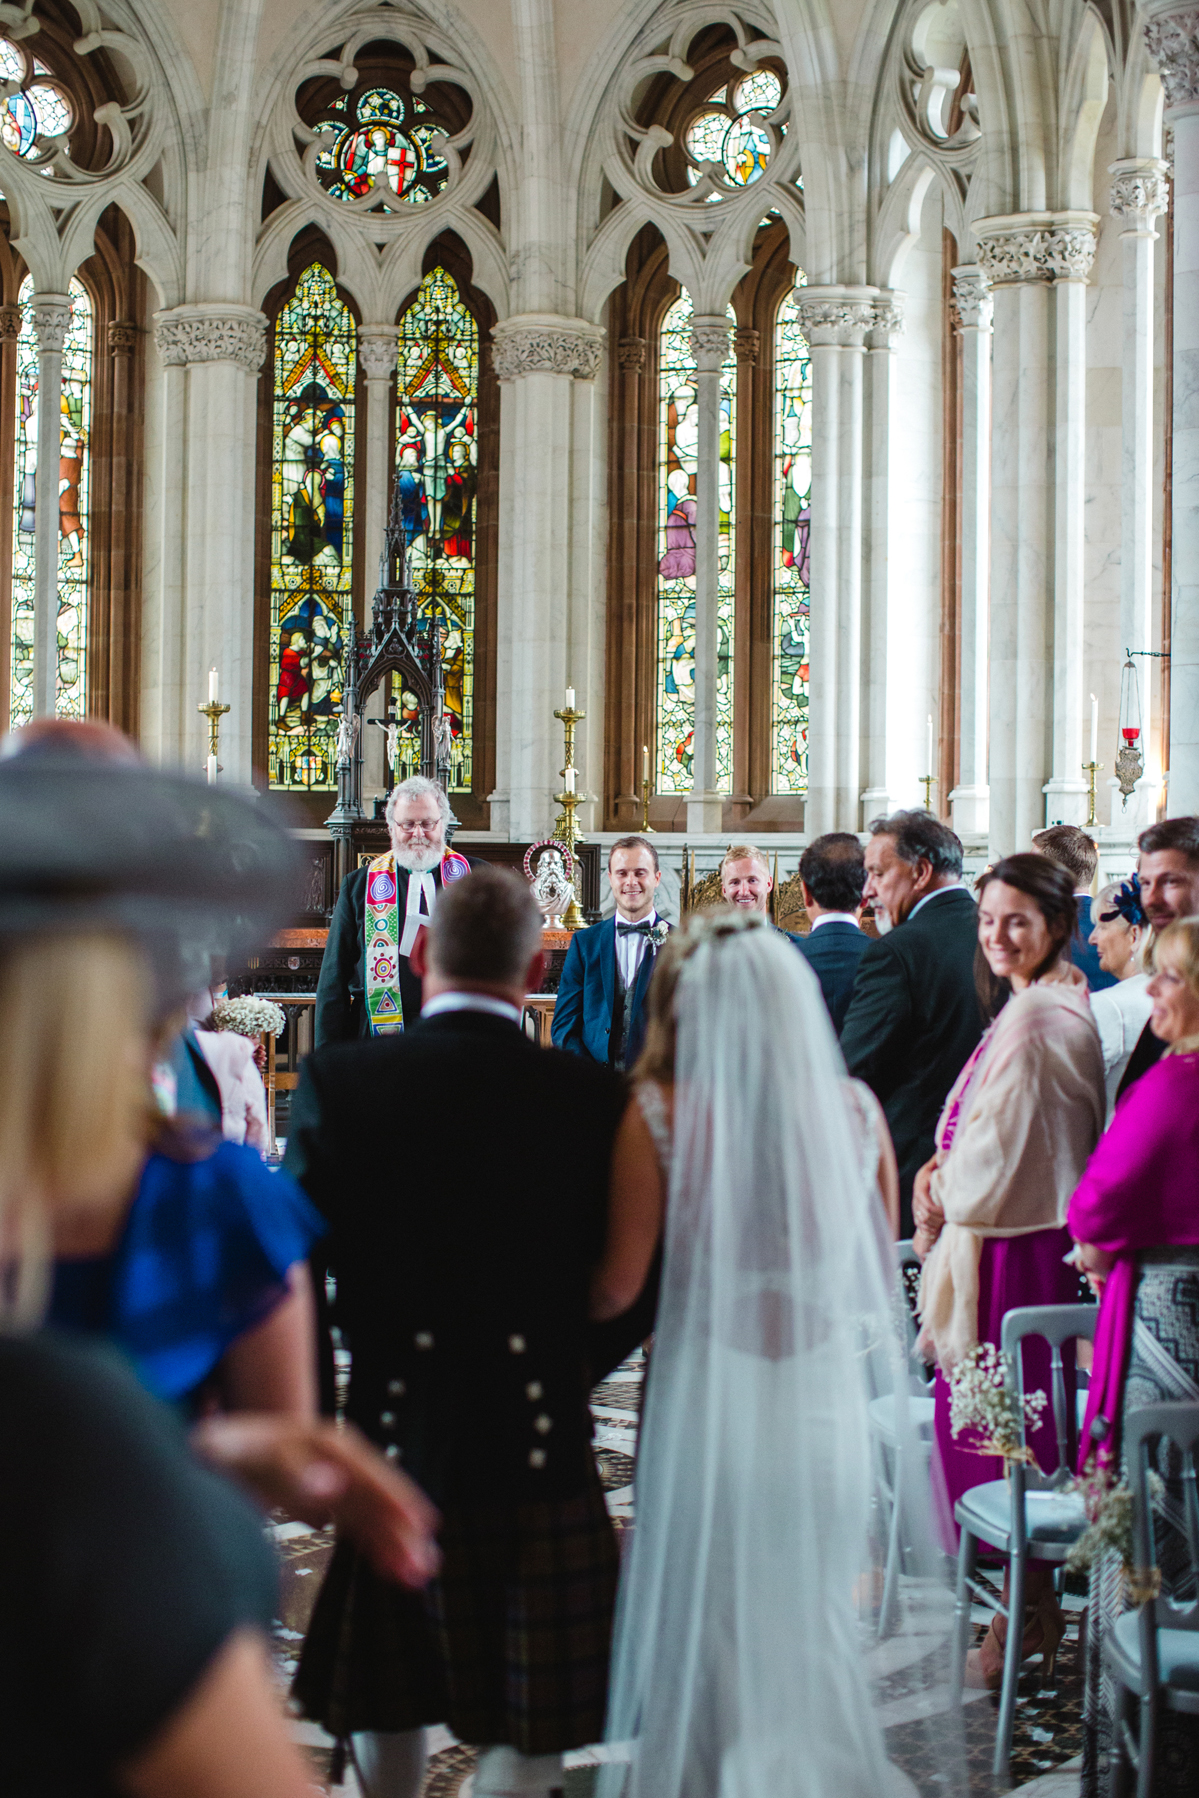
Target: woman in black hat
[(137, 1587)]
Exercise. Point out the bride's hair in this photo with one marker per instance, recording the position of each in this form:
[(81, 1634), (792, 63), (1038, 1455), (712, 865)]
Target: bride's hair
[(656, 1061)]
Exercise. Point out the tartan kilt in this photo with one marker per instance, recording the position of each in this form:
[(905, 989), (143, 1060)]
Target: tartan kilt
[(509, 1644)]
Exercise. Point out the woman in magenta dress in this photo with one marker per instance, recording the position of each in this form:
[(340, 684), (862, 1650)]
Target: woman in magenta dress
[(990, 1206)]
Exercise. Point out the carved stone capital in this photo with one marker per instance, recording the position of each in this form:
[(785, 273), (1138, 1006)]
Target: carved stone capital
[(886, 321), (378, 351), (122, 336), (836, 316), (1172, 40), (1036, 246), (543, 343), (709, 343), (215, 333), (630, 352), (10, 323), (1140, 194), (972, 298), (747, 343), (51, 317)]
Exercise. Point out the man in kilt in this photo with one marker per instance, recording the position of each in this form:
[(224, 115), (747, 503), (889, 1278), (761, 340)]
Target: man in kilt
[(464, 1176)]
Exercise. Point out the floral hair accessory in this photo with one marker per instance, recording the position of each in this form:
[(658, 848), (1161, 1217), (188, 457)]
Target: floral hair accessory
[(1126, 904)]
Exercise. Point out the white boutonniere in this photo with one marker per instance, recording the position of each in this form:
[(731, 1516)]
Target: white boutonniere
[(659, 934)]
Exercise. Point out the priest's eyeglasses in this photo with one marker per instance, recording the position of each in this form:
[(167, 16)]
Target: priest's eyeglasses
[(408, 827)]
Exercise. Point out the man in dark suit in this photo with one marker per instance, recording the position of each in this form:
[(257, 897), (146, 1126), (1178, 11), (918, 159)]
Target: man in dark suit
[(599, 1011), (832, 873), (462, 1244), (1168, 866), (367, 986), (1073, 850), (914, 1017)]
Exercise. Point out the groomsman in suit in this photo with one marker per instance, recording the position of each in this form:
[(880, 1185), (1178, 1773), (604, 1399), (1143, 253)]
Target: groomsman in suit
[(1169, 870), (600, 1008), (832, 873), (1073, 850), (913, 1019), (745, 880)]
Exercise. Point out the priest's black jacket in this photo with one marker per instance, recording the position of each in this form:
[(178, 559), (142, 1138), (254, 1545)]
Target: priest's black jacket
[(464, 1175), (341, 1015)]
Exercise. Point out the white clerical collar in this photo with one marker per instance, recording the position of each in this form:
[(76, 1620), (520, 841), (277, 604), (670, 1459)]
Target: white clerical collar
[(835, 917), (956, 887), (498, 1008)]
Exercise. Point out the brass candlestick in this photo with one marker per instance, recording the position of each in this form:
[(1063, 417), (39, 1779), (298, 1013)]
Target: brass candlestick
[(1091, 769), (566, 826), (214, 713), (928, 782), (647, 829)]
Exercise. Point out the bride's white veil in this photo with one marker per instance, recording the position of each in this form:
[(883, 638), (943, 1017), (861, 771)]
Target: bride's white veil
[(746, 1655)]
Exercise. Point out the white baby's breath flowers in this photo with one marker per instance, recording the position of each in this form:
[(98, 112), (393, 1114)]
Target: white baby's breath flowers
[(250, 1016), (982, 1401)]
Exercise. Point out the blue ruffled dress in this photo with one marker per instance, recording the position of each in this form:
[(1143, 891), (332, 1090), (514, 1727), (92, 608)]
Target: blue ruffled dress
[(203, 1257)]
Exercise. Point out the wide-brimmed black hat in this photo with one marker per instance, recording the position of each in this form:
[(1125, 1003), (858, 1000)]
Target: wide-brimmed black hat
[(193, 872)]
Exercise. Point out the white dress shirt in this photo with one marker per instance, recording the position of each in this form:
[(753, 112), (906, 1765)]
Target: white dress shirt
[(936, 893), (837, 917), (631, 949), (498, 1008)]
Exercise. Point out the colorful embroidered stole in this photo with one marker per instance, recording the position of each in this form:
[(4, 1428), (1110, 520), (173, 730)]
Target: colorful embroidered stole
[(384, 942)]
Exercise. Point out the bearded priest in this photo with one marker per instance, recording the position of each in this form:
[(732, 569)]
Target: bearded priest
[(366, 987)]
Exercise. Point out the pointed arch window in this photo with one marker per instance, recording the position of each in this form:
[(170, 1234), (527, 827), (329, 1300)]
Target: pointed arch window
[(437, 460), (678, 431), (312, 505), (792, 533), (72, 500)]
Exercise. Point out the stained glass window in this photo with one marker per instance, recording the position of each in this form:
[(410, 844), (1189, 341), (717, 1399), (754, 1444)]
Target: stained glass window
[(381, 144), (74, 467), (42, 110), (792, 536), (312, 513), (437, 468), (730, 134), (677, 441)]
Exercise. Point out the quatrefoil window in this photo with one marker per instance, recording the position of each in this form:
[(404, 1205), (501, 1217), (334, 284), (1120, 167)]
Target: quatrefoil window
[(32, 112), (384, 147), (730, 139)]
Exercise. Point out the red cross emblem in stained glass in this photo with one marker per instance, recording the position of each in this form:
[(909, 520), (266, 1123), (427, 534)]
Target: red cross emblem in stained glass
[(401, 163)]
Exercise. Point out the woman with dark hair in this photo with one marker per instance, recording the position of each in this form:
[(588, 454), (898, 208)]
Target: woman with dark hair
[(990, 1206)]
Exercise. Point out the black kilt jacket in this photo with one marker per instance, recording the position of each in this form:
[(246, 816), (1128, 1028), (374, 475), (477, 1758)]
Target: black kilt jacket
[(464, 1175)]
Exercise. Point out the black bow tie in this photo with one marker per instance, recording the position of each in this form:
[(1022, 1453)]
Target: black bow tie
[(642, 929)]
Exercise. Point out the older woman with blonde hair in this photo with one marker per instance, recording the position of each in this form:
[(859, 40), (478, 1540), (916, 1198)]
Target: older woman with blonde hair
[(1136, 1221)]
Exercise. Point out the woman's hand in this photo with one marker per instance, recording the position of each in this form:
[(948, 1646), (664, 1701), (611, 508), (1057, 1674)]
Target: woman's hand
[(1095, 1263), (928, 1215), (322, 1472)]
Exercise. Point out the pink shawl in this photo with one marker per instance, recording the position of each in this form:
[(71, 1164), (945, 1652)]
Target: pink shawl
[(1140, 1191)]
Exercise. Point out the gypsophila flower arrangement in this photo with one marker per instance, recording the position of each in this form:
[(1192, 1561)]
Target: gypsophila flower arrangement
[(982, 1401), (1109, 1528), (249, 1016)]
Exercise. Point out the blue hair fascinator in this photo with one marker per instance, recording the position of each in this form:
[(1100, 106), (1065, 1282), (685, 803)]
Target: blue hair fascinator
[(1126, 904)]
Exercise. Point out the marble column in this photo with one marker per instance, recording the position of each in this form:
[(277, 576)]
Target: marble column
[(219, 348), (835, 321), (51, 317), (1036, 566), (709, 347), (970, 799), (883, 612), (540, 359), (1139, 196), (377, 351), (1172, 40)]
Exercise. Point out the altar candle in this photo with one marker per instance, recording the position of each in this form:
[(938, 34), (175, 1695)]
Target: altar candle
[(212, 771), (214, 686), (570, 699), (1094, 728), (929, 763), (570, 780), (645, 764)]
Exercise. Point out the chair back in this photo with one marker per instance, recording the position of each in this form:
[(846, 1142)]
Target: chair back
[(1057, 1324), (1179, 1424)]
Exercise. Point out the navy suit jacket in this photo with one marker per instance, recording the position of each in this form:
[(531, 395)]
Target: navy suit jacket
[(833, 952), (1084, 955), (586, 992)]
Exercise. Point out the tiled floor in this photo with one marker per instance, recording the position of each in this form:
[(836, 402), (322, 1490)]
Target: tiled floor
[(1046, 1743)]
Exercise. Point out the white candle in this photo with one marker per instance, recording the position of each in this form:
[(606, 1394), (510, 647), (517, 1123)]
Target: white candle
[(214, 686), (929, 767), (1094, 728), (570, 780), (645, 764), (570, 699), (212, 771)]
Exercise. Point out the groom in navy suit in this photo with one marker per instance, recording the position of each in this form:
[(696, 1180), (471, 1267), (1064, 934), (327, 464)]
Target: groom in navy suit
[(599, 1011)]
